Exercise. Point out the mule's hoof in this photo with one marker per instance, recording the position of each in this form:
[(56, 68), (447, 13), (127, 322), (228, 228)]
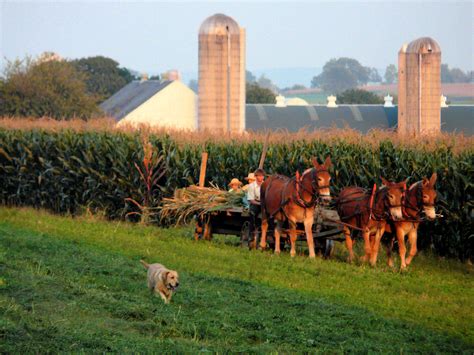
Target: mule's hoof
[(390, 264), (312, 256), (277, 252)]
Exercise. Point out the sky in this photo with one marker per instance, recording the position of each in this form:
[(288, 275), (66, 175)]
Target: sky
[(156, 36)]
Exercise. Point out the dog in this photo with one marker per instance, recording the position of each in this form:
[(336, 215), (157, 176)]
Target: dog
[(161, 280)]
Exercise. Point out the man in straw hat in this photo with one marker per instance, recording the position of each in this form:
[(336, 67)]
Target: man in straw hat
[(250, 178), (253, 196)]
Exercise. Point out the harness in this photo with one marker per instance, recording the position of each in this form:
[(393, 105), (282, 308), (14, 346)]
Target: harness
[(297, 196), (418, 207)]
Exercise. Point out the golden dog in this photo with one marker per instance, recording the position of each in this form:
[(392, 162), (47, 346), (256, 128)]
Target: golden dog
[(161, 280)]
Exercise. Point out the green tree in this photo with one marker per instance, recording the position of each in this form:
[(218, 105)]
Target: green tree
[(454, 75), (374, 75), (359, 96), (194, 85), (249, 77), (266, 83), (49, 88), (341, 74), (391, 74), (258, 95), (104, 77)]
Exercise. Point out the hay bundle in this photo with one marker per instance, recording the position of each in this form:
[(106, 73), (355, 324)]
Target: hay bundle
[(195, 200)]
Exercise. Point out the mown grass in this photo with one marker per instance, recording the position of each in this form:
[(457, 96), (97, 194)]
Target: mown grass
[(76, 284)]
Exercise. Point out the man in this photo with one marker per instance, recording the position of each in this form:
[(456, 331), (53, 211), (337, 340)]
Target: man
[(250, 178), (253, 197)]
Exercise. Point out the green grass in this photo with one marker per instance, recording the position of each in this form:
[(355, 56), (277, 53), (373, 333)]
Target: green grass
[(75, 284)]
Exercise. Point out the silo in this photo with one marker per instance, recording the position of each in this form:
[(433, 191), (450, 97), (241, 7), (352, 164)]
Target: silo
[(221, 75), (419, 87)]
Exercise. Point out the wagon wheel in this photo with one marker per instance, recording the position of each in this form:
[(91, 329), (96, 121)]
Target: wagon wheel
[(245, 233)]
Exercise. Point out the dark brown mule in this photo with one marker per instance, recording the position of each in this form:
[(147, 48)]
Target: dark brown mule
[(294, 199), (368, 211), (420, 199)]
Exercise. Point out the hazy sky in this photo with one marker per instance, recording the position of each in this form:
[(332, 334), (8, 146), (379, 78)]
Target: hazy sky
[(155, 36)]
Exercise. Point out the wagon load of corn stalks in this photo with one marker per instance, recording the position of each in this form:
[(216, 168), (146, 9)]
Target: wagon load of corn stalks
[(195, 200)]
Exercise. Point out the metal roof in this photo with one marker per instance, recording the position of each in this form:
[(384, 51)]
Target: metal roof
[(217, 24), (131, 96), (360, 117), (423, 45), (294, 118)]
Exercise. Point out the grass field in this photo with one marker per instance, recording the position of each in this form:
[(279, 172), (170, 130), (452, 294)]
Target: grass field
[(76, 285)]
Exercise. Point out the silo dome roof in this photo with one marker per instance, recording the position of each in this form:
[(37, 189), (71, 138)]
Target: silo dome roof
[(218, 24), (423, 44)]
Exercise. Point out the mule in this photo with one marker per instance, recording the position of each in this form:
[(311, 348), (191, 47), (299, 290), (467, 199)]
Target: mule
[(294, 200), (420, 199), (368, 212)]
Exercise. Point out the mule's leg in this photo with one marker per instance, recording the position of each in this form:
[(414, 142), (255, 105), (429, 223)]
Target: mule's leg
[(277, 235), (389, 251), (401, 247), (412, 238), (367, 246), (263, 237), (308, 227), (292, 226), (349, 244), (375, 248)]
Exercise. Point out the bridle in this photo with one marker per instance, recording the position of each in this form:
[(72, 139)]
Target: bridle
[(315, 189), (420, 205)]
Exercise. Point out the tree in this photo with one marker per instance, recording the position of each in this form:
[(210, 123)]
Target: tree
[(359, 96), (249, 77), (258, 95), (45, 88), (391, 74), (194, 85), (374, 75), (341, 74), (454, 75), (266, 83), (104, 77)]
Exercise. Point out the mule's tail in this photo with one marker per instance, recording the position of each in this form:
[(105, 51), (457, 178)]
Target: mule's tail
[(145, 264)]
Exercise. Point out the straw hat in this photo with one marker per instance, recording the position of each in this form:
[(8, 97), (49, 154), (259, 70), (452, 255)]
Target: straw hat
[(251, 176), (235, 181)]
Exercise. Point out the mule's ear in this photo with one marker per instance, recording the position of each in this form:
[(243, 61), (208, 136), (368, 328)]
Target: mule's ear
[(315, 162), (433, 179), (327, 162), (385, 182), (425, 181)]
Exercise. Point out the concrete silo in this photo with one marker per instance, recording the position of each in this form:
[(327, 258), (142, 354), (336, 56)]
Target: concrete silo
[(221, 75), (419, 87)]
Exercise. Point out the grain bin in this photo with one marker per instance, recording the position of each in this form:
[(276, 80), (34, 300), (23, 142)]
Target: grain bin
[(419, 87), (221, 75)]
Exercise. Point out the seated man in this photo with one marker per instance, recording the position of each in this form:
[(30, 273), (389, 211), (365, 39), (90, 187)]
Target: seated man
[(253, 197)]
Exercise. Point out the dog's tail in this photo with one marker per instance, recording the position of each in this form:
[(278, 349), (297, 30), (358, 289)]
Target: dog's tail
[(145, 264)]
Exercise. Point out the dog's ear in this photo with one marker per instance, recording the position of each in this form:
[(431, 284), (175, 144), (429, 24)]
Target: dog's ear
[(164, 276)]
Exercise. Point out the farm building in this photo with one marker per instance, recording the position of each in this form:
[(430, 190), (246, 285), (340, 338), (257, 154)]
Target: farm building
[(145, 102), (167, 103)]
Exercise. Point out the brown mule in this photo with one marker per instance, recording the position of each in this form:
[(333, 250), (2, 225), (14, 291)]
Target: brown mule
[(369, 211), (419, 198), (294, 199)]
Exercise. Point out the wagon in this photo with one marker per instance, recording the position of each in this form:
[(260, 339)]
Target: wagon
[(236, 221)]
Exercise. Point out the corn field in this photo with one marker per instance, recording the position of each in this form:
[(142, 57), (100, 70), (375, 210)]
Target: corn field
[(69, 171)]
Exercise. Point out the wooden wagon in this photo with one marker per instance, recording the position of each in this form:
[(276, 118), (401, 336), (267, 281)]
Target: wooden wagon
[(236, 221)]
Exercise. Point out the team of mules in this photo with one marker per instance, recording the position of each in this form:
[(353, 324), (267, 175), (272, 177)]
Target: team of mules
[(390, 208)]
